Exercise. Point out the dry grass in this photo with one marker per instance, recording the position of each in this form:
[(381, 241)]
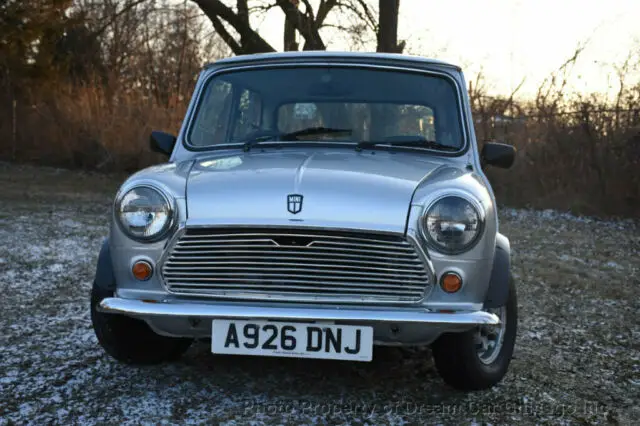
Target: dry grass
[(89, 128), (572, 165)]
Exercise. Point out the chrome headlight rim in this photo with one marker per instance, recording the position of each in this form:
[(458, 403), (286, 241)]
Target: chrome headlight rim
[(475, 204), (169, 201)]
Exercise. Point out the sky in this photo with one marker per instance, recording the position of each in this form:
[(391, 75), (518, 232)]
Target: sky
[(512, 40)]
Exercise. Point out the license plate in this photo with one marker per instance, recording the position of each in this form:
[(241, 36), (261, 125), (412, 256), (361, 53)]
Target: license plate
[(295, 340)]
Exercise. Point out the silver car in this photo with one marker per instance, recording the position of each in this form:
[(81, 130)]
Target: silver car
[(314, 205)]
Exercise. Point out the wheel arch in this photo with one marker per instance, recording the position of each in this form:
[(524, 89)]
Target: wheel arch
[(498, 291), (105, 278)]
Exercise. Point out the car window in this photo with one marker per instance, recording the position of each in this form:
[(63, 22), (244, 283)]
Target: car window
[(375, 105), (249, 114), (210, 125), (367, 120), (297, 116)]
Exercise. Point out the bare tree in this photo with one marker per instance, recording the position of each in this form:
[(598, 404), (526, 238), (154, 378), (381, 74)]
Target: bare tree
[(352, 17), (306, 22)]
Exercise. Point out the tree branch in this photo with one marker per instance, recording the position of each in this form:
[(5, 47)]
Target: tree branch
[(308, 9), (217, 10), (369, 15), (304, 24), (115, 16), (323, 10), (262, 8), (225, 36)]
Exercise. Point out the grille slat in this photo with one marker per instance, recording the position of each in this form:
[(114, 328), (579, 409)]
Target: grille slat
[(296, 265), (293, 282), (222, 254), (283, 249), (355, 260), (256, 288), (275, 234), (257, 265), (330, 245), (276, 275), (287, 267)]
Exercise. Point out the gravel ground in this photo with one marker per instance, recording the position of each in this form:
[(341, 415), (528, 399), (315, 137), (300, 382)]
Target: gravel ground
[(576, 360)]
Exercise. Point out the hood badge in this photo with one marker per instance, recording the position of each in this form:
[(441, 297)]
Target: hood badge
[(294, 203)]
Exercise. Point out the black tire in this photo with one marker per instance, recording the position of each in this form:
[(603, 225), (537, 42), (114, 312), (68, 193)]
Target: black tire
[(457, 360), (130, 340)]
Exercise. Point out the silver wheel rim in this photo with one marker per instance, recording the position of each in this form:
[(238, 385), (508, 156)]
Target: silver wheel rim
[(489, 338)]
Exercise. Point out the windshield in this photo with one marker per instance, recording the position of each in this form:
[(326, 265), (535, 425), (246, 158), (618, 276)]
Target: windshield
[(351, 104)]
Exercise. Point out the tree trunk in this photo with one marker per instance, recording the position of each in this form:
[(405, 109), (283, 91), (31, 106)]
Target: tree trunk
[(388, 27), (290, 43), (382, 115)]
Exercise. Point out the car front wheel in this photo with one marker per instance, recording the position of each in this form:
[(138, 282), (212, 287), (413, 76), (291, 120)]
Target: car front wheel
[(130, 340), (479, 358)]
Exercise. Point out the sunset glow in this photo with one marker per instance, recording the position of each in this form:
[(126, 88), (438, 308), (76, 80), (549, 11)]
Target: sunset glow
[(511, 40)]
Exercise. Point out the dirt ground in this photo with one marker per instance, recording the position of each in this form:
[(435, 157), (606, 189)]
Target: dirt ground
[(577, 358)]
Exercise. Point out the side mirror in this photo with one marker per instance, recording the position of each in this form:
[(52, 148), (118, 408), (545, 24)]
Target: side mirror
[(498, 154), (162, 142)]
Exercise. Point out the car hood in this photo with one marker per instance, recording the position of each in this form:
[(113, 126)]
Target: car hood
[(340, 188)]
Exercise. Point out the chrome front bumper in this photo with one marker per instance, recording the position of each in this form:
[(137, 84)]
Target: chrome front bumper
[(211, 310)]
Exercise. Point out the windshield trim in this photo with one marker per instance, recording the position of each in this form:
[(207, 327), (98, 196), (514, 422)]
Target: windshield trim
[(192, 113)]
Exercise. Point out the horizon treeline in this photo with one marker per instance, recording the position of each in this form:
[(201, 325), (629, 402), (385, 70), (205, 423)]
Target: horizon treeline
[(83, 83)]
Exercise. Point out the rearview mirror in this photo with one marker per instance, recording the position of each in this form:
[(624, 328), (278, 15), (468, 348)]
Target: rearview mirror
[(162, 142), (498, 154)]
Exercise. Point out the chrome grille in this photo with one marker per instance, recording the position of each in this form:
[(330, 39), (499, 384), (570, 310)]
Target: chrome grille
[(295, 265)]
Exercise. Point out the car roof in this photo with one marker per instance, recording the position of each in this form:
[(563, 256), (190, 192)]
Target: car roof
[(330, 56)]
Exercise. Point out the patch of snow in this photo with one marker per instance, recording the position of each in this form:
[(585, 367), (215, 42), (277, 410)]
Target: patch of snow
[(70, 223), (614, 265), (535, 335), (549, 214), (567, 258)]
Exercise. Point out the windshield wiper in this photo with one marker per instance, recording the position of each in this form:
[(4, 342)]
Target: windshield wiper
[(293, 136), (422, 143), (254, 141), (312, 131)]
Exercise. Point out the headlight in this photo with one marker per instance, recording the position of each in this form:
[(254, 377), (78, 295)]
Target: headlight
[(452, 225), (144, 213)]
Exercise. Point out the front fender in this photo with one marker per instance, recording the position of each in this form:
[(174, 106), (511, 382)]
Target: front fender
[(498, 292)]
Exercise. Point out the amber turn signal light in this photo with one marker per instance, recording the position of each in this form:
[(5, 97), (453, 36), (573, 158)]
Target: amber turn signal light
[(142, 270), (451, 282)]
